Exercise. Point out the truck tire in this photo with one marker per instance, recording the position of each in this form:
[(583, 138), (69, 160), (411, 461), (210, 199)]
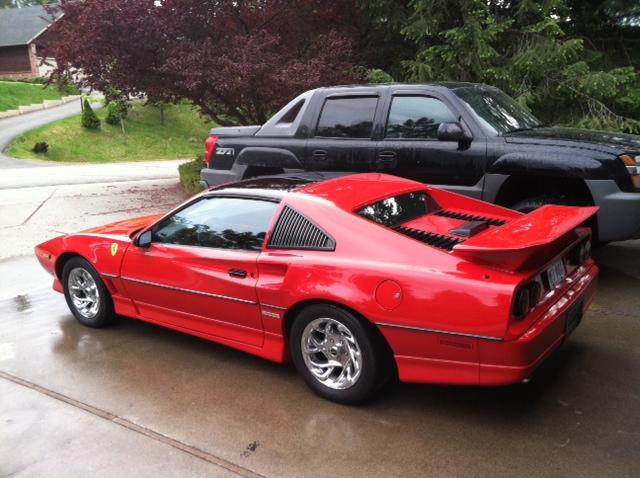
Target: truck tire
[(531, 204), (256, 171)]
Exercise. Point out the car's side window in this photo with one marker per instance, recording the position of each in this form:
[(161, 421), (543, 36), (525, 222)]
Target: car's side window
[(347, 117), (220, 222), (417, 117)]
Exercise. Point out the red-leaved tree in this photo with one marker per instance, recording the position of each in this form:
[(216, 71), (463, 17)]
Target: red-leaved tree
[(238, 61)]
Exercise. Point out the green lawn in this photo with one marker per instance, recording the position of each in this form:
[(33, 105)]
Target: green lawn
[(182, 136), (14, 94)]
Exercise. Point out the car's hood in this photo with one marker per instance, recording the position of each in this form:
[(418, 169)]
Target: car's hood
[(615, 143), (126, 227)]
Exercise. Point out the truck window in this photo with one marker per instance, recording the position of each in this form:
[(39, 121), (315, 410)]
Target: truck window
[(417, 117), (347, 117)]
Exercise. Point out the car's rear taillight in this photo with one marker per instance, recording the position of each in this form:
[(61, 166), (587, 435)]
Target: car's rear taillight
[(579, 254), (527, 298), (210, 147)]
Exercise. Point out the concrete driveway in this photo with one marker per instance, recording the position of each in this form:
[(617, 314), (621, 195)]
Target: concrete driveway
[(139, 400)]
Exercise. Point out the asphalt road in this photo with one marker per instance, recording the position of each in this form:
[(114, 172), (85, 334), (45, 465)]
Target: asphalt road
[(139, 400), (11, 128)]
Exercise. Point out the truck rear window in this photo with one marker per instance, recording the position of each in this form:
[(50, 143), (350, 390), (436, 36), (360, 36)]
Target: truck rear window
[(397, 209), (347, 117)]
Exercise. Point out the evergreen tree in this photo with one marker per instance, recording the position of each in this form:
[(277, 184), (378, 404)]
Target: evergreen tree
[(523, 47), (89, 118)]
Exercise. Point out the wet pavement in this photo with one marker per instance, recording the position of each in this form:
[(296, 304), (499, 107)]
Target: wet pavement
[(139, 400)]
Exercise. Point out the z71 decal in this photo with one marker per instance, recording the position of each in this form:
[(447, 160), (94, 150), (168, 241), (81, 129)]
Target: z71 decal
[(225, 151)]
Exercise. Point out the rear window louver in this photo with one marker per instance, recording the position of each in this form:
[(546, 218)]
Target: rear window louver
[(470, 217), (436, 240), (294, 231)]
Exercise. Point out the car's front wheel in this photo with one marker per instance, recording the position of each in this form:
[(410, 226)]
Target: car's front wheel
[(86, 295), (337, 354)]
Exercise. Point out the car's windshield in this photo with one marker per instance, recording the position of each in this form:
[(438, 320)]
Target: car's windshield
[(497, 112)]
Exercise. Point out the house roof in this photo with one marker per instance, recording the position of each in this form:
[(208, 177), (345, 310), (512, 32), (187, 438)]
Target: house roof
[(20, 26)]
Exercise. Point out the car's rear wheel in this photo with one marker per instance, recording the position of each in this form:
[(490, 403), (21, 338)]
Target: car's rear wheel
[(86, 295), (337, 354)]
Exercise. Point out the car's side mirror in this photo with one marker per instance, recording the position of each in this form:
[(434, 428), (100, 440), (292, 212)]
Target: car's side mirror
[(452, 131), (144, 239)]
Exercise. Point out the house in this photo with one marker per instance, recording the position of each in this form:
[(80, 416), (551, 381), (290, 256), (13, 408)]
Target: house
[(23, 36)]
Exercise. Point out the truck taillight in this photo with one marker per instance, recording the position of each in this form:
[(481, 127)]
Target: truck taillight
[(210, 147)]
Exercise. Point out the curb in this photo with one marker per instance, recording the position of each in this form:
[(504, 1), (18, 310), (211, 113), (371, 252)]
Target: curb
[(45, 105)]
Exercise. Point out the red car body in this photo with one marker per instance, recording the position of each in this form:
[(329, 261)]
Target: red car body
[(447, 315)]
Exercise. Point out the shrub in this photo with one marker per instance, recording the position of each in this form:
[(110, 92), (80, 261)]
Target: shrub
[(116, 110), (113, 117), (190, 175), (40, 147), (33, 80), (89, 118)]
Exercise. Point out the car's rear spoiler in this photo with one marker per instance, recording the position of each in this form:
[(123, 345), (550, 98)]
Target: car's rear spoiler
[(513, 244)]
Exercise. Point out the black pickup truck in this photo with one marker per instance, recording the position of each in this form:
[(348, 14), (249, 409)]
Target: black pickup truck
[(464, 137)]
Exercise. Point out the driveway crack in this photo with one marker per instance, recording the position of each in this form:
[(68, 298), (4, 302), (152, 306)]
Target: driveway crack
[(39, 207), (134, 427)]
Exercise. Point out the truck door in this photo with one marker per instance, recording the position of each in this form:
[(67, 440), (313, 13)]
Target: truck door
[(342, 139), (410, 141)]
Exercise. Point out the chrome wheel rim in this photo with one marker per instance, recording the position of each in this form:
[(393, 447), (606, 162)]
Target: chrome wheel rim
[(84, 292), (331, 353)]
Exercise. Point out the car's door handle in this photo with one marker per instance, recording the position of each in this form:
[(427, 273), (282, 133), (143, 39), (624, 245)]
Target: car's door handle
[(386, 156), (237, 273), (319, 154)]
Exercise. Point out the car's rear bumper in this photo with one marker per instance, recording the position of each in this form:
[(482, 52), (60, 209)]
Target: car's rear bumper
[(503, 362), (513, 361), (216, 177)]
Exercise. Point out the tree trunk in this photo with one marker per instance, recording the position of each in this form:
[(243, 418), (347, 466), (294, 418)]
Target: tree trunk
[(124, 131)]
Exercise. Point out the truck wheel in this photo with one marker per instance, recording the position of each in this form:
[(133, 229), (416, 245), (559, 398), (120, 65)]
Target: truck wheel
[(336, 354), (531, 204), (256, 171)]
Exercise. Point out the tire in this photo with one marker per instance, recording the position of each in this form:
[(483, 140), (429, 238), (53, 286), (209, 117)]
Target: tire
[(86, 295), (257, 171), (325, 331), (531, 204)]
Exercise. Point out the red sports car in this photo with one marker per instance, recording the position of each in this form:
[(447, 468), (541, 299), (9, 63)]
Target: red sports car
[(356, 278)]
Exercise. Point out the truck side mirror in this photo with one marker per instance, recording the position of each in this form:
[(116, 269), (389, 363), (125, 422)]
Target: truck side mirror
[(144, 239), (452, 131)]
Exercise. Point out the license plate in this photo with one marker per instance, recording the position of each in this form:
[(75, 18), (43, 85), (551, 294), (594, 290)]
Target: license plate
[(574, 316), (556, 274)]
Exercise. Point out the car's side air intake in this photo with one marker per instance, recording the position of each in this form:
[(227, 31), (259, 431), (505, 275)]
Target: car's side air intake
[(436, 240), (470, 217), (294, 231)]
